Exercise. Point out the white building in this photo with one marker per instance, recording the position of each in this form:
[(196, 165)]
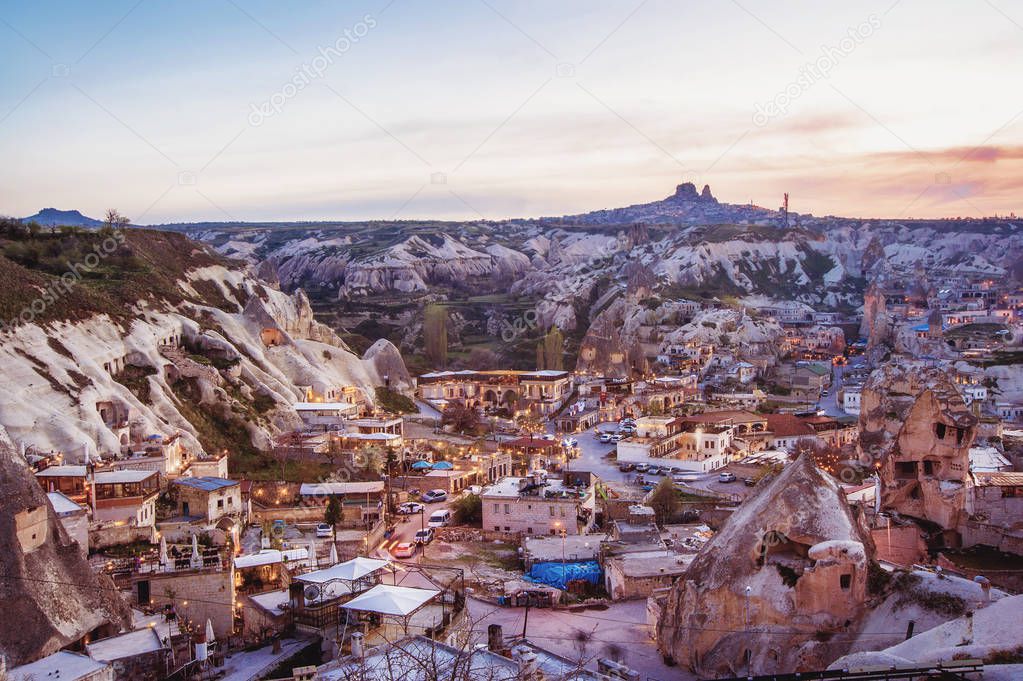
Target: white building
[(851, 399), (538, 505), (325, 415)]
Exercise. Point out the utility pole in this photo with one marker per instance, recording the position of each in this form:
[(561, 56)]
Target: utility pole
[(525, 619), (749, 650)]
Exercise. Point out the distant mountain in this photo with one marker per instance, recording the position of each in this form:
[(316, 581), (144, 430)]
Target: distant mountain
[(51, 217), (685, 207)]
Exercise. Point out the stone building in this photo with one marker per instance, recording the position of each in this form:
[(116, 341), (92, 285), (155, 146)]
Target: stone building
[(208, 498), (538, 505)]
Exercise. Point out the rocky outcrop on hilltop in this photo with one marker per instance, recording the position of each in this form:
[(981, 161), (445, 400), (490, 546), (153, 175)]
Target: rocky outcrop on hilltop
[(786, 572), (51, 596)]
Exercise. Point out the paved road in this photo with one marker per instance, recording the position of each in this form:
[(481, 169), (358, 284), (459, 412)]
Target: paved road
[(592, 455), (830, 403)]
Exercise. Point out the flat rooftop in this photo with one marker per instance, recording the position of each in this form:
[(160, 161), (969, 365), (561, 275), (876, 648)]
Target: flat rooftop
[(510, 488), (60, 665), (206, 483)]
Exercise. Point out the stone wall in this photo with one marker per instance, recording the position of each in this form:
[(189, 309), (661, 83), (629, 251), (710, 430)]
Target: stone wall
[(105, 535), (198, 595), (32, 528), (899, 545)]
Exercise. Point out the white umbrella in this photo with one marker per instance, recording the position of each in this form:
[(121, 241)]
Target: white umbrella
[(312, 554), (196, 556), (163, 551), (209, 631), (333, 553)]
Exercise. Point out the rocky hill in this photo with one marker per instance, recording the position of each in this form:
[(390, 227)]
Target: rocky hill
[(371, 280), (162, 336), (51, 217)]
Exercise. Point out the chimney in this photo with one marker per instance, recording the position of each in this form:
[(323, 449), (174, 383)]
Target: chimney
[(357, 650), (528, 668), (495, 638)]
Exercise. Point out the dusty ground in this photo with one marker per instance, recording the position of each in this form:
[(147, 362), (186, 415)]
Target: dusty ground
[(618, 631), (487, 565)]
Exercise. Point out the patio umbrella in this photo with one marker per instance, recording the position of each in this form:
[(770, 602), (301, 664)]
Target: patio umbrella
[(421, 465), (312, 554), (163, 551), (443, 466), (333, 553), (196, 556), (210, 638)]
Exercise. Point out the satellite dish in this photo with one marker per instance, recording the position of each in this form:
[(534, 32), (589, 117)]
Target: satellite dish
[(312, 592)]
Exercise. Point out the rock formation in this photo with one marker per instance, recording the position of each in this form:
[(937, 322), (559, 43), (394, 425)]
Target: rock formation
[(786, 571), (51, 596), (248, 341), (915, 427)]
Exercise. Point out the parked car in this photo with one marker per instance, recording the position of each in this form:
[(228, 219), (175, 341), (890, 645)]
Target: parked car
[(605, 437), (685, 477), (434, 495), (654, 470), (617, 437), (405, 549), (726, 477), (424, 536), (324, 530), (642, 467), (570, 442), (441, 518), (411, 508), (625, 467), (749, 482)]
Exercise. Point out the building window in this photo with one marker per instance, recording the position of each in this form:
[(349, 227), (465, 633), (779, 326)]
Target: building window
[(507, 509), (497, 508), (551, 509), (845, 581)]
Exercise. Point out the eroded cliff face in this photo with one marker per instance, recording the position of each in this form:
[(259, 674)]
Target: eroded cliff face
[(243, 360), (51, 598), (803, 555), (916, 429)]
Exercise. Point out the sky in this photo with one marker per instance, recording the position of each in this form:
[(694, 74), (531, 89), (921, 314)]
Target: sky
[(226, 110)]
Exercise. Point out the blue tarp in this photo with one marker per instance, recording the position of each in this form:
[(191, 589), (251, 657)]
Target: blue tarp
[(557, 574)]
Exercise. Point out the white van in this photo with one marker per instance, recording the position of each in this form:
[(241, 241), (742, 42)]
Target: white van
[(440, 518)]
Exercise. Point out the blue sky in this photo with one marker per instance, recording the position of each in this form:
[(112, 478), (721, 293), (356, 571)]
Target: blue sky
[(460, 110)]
